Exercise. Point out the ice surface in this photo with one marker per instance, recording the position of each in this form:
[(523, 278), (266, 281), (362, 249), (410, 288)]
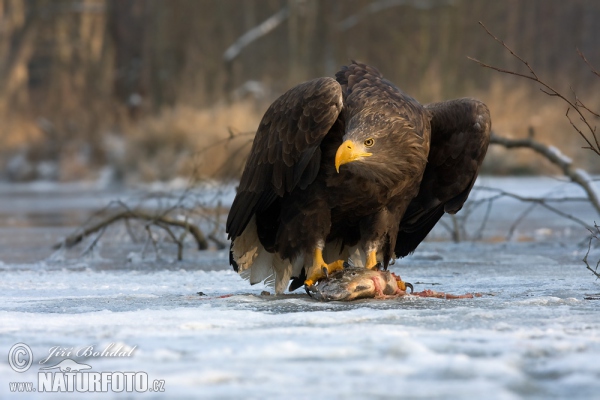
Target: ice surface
[(533, 334)]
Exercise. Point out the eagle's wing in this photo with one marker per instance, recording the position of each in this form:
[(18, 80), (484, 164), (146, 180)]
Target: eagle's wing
[(460, 134), (285, 153)]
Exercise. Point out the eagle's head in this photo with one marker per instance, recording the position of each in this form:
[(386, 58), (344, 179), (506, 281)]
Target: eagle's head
[(382, 147)]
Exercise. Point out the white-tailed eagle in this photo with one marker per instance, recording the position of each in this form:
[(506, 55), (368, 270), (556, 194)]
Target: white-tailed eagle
[(350, 168)]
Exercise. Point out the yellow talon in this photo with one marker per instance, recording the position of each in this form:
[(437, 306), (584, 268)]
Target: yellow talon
[(320, 269), (335, 266), (371, 260), (403, 285)]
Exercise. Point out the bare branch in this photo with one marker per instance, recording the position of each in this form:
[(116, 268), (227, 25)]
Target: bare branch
[(221, 244), (535, 77), (90, 248), (152, 240), (557, 158), (588, 63), (175, 239), (159, 220), (479, 232), (550, 91), (381, 5), (579, 103), (456, 236), (255, 33), (594, 235), (542, 202), (590, 146), (132, 235), (504, 71), (520, 218), (445, 225)]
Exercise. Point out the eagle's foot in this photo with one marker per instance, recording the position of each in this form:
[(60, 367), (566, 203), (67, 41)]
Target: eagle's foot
[(372, 260), (403, 285), (320, 270)]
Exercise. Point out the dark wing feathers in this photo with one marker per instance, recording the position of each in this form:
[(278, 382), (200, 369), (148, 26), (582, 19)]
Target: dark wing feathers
[(285, 153), (311, 170), (350, 75), (460, 132)]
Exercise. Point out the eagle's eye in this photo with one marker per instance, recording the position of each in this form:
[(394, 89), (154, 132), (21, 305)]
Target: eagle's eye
[(369, 142)]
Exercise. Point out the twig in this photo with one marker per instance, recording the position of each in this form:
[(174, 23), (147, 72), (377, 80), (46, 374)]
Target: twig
[(479, 232), (75, 238), (156, 252), (175, 239), (579, 103), (520, 218), (446, 226), (217, 224), (539, 201), (218, 242), (455, 229), (594, 235), (181, 240), (148, 237), (557, 158), (94, 242), (547, 89), (132, 235), (588, 63)]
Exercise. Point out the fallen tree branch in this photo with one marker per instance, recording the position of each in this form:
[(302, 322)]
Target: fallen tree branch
[(158, 220), (458, 231), (540, 201), (555, 156)]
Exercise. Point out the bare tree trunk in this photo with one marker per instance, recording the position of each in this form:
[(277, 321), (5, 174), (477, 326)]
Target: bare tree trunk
[(126, 25), (14, 75)]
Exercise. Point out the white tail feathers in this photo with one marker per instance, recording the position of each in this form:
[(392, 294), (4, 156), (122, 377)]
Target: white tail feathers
[(258, 265)]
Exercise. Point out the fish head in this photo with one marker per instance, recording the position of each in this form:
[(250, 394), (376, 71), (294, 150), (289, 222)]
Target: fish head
[(348, 284)]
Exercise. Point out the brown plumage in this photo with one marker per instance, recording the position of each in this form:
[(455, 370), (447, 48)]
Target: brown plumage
[(342, 169)]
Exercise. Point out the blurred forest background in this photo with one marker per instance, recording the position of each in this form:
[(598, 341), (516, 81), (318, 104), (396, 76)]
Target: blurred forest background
[(133, 90)]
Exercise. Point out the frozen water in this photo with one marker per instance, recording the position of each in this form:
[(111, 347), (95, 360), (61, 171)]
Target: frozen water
[(535, 333)]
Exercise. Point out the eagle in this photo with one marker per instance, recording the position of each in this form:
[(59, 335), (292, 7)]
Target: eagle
[(350, 169)]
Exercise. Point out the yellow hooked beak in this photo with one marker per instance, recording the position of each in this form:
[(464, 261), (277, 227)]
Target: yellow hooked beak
[(349, 151)]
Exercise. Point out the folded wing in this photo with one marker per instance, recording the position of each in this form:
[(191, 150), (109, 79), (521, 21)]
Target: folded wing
[(285, 153), (460, 134)]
